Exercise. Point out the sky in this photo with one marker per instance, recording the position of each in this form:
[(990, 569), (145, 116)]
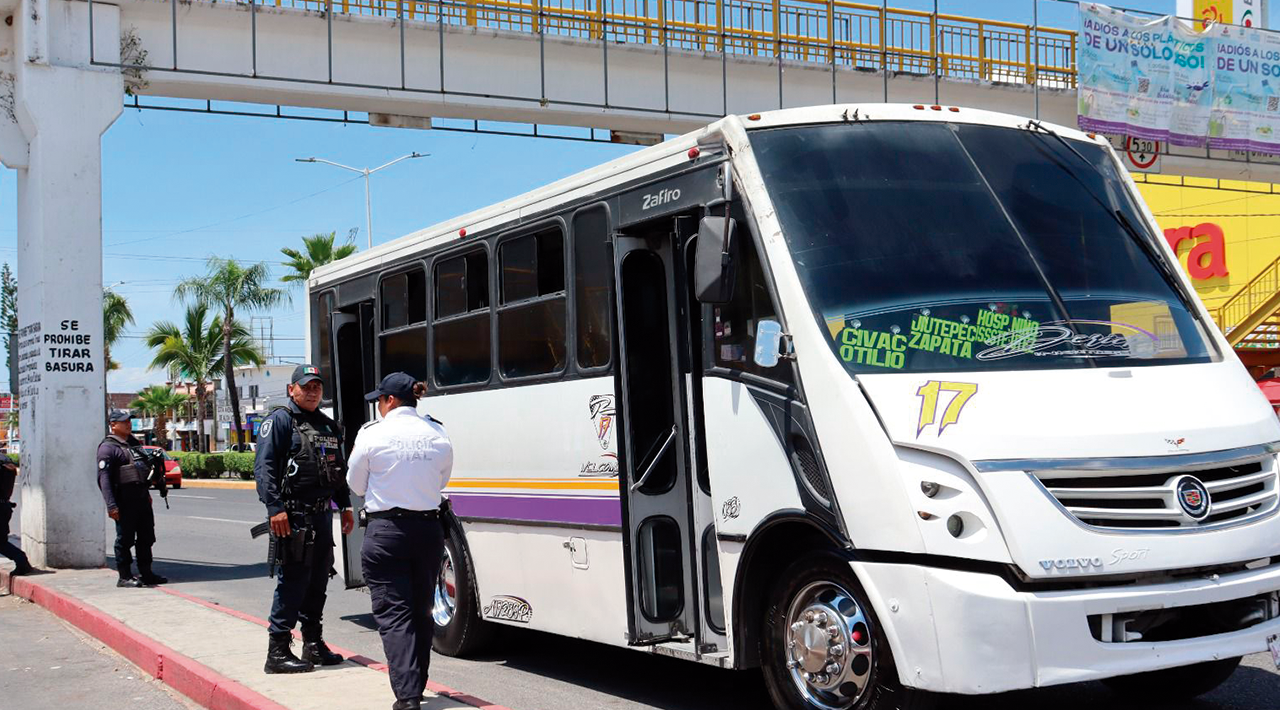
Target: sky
[(181, 187)]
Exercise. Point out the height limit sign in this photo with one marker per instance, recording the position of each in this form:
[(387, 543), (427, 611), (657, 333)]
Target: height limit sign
[(1139, 155)]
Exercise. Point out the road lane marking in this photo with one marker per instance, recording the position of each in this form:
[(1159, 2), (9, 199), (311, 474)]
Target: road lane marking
[(224, 520), (180, 495)]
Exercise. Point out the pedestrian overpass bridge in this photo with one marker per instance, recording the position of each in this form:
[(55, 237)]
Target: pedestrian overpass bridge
[(637, 68)]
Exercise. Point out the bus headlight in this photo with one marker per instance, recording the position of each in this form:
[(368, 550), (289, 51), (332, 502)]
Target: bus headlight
[(952, 512)]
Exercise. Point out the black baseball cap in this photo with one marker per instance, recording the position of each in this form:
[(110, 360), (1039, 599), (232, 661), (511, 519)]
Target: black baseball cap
[(397, 384), (120, 415), (302, 374)]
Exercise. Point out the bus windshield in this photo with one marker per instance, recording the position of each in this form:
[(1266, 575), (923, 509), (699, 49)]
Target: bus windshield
[(935, 247)]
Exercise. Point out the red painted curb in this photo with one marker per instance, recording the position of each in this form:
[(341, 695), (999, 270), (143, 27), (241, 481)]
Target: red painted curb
[(438, 689), (194, 680)]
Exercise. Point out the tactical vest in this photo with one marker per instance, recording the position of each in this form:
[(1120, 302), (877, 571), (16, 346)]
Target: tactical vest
[(137, 472), (317, 464)]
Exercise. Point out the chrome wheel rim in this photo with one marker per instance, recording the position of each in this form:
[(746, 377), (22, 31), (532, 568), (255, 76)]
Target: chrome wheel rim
[(446, 601), (828, 646)]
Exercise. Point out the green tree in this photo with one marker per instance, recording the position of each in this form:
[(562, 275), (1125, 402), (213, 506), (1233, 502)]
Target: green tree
[(317, 251), (230, 286), (9, 315), (160, 402), (116, 316), (195, 352)]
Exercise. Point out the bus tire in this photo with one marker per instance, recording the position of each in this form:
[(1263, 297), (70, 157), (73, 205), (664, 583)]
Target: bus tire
[(848, 668), (1174, 684), (460, 631)]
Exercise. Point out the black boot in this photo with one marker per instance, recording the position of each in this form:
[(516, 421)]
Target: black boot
[(410, 704), (315, 650), (150, 579), (280, 658)]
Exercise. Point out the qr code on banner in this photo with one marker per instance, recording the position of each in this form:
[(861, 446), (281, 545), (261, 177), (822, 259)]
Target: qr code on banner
[(1144, 85), (1273, 103)]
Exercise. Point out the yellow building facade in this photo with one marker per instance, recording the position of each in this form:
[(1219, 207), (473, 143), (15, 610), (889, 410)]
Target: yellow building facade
[(1227, 236)]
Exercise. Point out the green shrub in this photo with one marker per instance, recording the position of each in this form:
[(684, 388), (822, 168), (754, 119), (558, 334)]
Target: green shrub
[(192, 463), (239, 463), (16, 458), (214, 465)]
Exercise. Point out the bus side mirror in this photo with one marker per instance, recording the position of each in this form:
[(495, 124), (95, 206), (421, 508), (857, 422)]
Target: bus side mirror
[(715, 264)]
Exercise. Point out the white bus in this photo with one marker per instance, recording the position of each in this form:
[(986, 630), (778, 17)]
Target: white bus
[(885, 400)]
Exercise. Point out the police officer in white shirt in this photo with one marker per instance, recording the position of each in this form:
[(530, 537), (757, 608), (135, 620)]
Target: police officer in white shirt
[(400, 464)]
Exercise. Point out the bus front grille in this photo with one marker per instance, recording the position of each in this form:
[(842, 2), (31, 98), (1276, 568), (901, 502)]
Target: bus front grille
[(1166, 500)]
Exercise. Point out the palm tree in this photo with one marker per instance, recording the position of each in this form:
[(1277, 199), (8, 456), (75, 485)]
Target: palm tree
[(195, 352), (161, 402), (229, 286), (317, 251), (116, 316)]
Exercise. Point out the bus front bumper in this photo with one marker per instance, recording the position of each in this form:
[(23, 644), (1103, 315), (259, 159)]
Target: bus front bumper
[(972, 633)]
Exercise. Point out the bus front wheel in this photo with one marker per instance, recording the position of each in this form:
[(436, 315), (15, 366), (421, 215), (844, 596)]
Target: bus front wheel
[(1174, 684), (822, 648), (456, 611)]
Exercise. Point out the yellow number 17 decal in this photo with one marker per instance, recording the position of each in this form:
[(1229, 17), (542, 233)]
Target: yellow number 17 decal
[(928, 394)]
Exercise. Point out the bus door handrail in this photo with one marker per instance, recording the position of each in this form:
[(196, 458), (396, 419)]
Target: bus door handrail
[(653, 462)]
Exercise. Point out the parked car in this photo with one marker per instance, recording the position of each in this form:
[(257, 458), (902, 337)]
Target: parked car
[(172, 471)]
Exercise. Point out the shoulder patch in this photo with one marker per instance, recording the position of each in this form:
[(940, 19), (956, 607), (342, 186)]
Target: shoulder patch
[(266, 428)]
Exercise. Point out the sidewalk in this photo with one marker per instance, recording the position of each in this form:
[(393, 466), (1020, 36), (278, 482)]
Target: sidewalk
[(211, 654), (48, 664)]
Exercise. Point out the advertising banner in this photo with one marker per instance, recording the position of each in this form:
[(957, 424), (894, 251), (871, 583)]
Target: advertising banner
[(1144, 78)]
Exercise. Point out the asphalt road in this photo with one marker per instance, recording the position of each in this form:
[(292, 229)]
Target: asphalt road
[(205, 549)]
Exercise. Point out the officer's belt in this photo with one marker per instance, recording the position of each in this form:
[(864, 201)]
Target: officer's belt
[(403, 513), (307, 506)]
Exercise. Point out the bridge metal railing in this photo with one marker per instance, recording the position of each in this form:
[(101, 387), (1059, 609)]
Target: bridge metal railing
[(833, 32)]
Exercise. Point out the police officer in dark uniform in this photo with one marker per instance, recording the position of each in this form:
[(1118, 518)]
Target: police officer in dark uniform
[(8, 476), (125, 476), (300, 471), (401, 464)]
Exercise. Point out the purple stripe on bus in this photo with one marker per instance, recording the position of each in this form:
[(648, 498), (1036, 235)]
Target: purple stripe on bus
[(579, 511)]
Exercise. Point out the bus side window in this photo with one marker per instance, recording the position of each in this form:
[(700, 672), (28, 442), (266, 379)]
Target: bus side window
[(734, 323), (591, 293), (531, 318), (403, 339), (460, 331)]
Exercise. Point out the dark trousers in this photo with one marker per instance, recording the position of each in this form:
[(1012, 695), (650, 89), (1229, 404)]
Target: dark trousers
[(401, 562), (301, 587), (8, 549), (136, 528)]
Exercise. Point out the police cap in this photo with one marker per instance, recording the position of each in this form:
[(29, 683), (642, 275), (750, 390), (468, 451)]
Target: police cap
[(398, 385), (302, 374), (120, 415)]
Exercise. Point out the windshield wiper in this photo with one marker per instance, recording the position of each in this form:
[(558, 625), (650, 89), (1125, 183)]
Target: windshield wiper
[(1143, 240)]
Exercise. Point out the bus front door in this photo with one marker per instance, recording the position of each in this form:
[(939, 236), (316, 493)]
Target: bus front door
[(655, 473), (353, 377)]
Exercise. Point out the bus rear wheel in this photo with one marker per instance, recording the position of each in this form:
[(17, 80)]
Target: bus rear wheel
[(456, 611), (1174, 684), (822, 648)]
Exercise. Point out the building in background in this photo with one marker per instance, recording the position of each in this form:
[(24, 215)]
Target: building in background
[(1227, 237), (260, 389)]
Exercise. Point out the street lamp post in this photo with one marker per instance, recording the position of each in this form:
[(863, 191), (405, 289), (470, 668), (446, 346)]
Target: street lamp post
[(368, 205)]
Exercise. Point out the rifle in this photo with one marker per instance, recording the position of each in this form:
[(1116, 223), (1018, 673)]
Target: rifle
[(157, 471), (296, 547)]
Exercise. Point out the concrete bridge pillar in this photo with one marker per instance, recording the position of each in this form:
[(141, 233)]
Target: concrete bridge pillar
[(51, 130)]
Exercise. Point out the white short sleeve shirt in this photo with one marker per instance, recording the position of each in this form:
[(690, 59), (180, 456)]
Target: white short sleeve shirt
[(401, 461)]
